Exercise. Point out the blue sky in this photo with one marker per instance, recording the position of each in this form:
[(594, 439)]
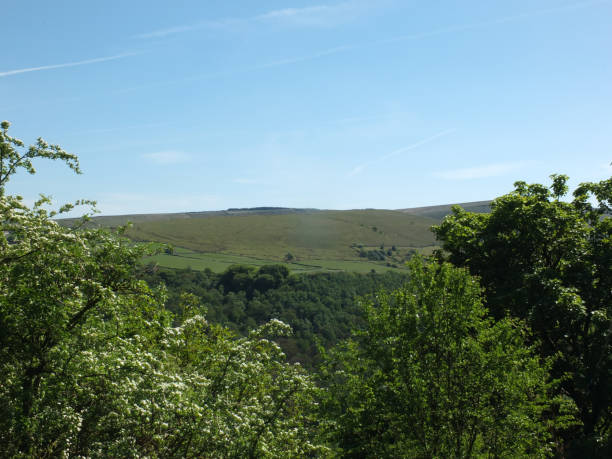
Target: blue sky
[(192, 105)]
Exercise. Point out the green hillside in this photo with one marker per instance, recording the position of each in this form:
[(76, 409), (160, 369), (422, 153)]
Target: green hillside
[(318, 240), (218, 262), (316, 235), (439, 212)]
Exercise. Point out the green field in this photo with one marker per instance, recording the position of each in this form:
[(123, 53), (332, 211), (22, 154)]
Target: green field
[(318, 240), (321, 235), (184, 258)]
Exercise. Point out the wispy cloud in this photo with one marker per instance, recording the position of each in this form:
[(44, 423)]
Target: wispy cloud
[(66, 64), (237, 71), (492, 22), (303, 13), (361, 167), (309, 57), (249, 181), (485, 171), (161, 33), (167, 157), (310, 16), (319, 15), (327, 15), (128, 127)]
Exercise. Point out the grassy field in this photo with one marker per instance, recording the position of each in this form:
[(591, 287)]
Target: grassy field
[(321, 235), (318, 240), (219, 262)]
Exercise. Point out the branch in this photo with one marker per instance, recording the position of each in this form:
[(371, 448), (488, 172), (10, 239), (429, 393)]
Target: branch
[(16, 258), (91, 303)]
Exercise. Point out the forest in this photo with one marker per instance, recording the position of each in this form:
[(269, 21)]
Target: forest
[(321, 308), (498, 345)]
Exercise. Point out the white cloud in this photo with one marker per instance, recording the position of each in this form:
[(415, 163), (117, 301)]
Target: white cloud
[(493, 22), (160, 33), (323, 15), (167, 157), (310, 16), (248, 181), (319, 15), (294, 60), (485, 171), (67, 64), (358, 169), (334, 14)]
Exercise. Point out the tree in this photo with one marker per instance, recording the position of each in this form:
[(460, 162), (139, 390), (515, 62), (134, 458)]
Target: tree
[(278, 272), (237, 278), (433, 376), (90, 364), (13, 158), (549, 262)]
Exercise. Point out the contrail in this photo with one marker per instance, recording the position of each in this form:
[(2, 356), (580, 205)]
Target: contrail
[(67, 64), (491, 22), (361, 167), (457, 28)]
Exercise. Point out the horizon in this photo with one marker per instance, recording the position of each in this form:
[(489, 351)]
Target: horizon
[(327, 105), (264, 208)]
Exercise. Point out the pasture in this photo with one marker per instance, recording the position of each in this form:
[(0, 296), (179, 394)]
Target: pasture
[(218, 262), (317, 235)]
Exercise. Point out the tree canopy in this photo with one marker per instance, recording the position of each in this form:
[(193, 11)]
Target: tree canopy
[(92, 366), (433, 376), (549, 261)]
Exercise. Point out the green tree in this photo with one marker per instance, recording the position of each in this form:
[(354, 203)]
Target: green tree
[(237, 278), (278, 272), (433, 376), (13, 155), (90, 364), (549, 262)]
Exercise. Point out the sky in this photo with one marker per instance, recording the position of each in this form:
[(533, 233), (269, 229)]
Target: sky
[(193, 105)]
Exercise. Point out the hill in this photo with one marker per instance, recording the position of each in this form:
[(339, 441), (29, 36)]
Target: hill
[(439, 212), (305, 239), (310, 237), (111, 221)]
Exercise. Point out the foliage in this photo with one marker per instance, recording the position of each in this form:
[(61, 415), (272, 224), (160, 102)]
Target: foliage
[(94, 362), (91, 366), (433, 376), (549, 262), (320, 308), (13, 157)]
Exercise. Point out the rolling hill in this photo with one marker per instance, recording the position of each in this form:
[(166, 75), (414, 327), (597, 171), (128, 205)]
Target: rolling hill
[(309, 235), (310, 239), (439, 212)]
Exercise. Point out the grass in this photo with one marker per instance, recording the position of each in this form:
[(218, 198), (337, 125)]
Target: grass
[(318, 240), (219, 262), (323, 235)]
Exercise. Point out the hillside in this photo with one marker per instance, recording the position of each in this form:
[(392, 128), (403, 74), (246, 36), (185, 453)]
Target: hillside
[(439, 212), (110, 221), (332, 235), (306, 239)]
